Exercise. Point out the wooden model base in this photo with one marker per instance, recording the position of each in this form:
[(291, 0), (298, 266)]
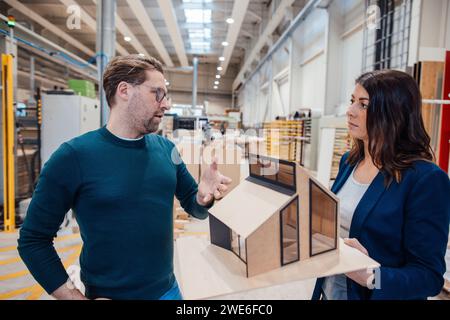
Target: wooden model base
[(205, 271)]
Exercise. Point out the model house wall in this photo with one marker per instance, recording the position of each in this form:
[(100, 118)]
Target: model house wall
[(277, 216)]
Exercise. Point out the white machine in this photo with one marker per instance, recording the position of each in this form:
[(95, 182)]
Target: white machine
[(65, 117)]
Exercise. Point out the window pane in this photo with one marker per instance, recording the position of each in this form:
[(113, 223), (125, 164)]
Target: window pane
[(243, 254), (254, 167), (323, 211), (286, 174), (289, 236), (269, 169), (234, 242)]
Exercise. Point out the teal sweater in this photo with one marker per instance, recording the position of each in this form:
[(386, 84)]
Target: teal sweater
[(122, 194)]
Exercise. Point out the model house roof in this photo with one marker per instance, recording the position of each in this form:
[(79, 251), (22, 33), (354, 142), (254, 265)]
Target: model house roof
[(248, 206)]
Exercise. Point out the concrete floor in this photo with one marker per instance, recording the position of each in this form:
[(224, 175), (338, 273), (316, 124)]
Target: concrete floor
[(16, 282)]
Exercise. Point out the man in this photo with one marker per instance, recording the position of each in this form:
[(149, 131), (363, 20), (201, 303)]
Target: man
[(120, 182)]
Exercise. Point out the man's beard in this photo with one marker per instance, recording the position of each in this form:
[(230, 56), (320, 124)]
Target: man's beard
[(143, 126), (151, 125)]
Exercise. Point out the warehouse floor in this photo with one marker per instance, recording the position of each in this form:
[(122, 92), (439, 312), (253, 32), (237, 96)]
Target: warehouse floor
[(17, 283)]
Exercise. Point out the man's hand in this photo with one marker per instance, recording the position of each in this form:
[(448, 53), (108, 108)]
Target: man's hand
[(212, 185), (362, 277), (68, 292)]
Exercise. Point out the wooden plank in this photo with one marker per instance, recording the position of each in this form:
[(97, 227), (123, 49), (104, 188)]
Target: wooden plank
[(263, 247), (204, 270), (430, 79)]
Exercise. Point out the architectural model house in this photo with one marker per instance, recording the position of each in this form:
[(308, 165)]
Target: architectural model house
[(277, 216)]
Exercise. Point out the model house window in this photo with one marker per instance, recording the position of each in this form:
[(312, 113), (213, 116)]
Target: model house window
[(278, 172), (255, 168), (286, 174), (290, 233), (235, 242), (242, 249), (238, 246), (323, 220)]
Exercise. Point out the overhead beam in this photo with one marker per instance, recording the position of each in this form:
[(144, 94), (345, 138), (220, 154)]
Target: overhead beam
[(61, 62), (277, 18), (247, 34), (49, 26), (202, 25), (29, 34), (238, 15), (172, 25), (135, 43), (147, 25), (254, 16), (42, 78), (122, 27), (87, 19), (301, 16)]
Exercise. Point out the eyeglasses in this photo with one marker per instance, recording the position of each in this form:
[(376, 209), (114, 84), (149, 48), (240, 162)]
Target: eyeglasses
[(160, 93)]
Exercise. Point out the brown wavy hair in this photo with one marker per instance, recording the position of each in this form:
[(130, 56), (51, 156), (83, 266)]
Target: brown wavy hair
[(397, 135), (130, 69)]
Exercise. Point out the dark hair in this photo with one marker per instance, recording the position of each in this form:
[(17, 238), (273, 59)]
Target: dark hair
[(130, 69), (397, 135)]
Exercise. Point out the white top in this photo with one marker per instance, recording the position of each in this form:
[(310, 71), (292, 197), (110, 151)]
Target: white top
[(351, 193), (349, 196), (128, 139)]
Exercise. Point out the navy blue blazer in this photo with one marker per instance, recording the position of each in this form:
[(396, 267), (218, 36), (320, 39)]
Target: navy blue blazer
[(405, 228)]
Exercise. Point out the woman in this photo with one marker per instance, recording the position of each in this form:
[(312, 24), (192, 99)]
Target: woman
[(394, 202)]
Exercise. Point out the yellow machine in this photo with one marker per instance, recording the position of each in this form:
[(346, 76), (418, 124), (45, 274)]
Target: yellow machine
[(8, 129)]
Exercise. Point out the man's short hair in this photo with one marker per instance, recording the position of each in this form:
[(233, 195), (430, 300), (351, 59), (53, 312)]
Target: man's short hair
[(130, 69)]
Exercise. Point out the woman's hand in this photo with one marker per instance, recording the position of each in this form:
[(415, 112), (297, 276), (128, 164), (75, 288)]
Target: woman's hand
[(362, 277)]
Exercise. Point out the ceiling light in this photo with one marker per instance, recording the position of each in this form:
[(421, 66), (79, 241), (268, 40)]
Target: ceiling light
[(198, 15), (142, 55), (225, 44), (215, 87), (219, 68), (167, 83), (222, 59), (216, 82), (230, 20), (217, 76), (127, 39)]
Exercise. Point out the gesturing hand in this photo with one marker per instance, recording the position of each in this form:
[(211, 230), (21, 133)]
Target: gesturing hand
[(212, 185)]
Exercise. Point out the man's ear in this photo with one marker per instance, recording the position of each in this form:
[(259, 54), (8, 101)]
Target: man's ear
[(123, 91)]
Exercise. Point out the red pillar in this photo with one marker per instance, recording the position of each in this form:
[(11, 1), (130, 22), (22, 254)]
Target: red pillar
[(445, 119)]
